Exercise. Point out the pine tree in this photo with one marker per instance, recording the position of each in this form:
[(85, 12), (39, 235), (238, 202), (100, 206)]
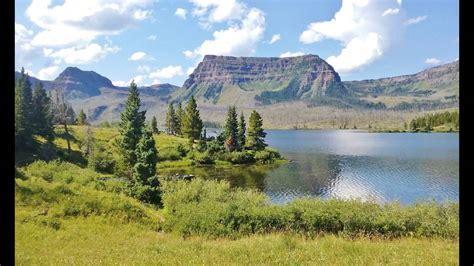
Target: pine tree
[(131, 125), (192, 123), (82, 118), (179, 119), (23, 111), (171, 120), (154, 125), (241, 131), (255, 133), (147, 157), (42, 116), (231, 130)]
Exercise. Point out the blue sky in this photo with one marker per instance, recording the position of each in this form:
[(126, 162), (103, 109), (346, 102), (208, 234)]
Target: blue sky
[(162, 41)]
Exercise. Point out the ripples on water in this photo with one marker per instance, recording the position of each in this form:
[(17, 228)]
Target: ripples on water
[(352, 164)]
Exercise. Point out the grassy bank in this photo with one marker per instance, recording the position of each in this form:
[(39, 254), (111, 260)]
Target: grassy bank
[(95, 241)]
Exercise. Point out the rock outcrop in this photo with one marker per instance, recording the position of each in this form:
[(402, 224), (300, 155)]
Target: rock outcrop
[(276, 79)]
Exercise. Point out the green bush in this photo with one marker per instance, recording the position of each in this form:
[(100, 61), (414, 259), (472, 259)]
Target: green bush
[(169, 155), (149, 192), (268, 155), (237, 157), (101, 161), (203, 158), (212, 208), (60, 171)]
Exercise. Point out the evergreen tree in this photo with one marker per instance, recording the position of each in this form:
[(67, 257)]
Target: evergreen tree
[(231, 130), (171, 120), (192, 123), (131, 125), (42, 116), (154, 125), (241, 131), (82, 118), (202, 144), (255, 133), (179, 119), (147, 157), (23, 111)]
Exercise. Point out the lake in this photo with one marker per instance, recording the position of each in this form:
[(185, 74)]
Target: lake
[(406, 167)]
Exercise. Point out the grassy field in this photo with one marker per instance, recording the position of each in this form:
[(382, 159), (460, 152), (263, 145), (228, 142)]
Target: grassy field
[(95, 241)]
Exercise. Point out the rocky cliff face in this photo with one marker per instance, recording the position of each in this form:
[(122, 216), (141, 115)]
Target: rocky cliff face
[(301, 77)]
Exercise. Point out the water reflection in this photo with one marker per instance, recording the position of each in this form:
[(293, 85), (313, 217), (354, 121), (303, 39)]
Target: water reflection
[(379, 167)]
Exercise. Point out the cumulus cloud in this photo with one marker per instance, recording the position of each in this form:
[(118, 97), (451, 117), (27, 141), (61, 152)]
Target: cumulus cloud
[(432, 61), (140, 56), (48, 73), (152, 38), (144, 69), (120, 83), (181, 13), (291, 54), (82, 55), (363, 30), (238, 40), (212, 11), (166, 72), (275, 38), (415, 20), (24, 51), (78, 22)]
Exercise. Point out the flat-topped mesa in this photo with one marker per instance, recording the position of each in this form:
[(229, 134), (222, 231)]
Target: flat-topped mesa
[(309, 75)]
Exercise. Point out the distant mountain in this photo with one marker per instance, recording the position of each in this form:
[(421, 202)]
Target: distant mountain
[(262, 80), (439, 84)]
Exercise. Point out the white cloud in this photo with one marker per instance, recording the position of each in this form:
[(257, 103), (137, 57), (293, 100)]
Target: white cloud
[(167, 72), (399, 2), (391, 11), (25, 53), (82, 55), (140, 56), (181, 13), (48, 73), (78, 22), (212, 11), (432, 61), (237, 40), (364, 33), (291, 54), (416, 20), (139, 79), (152, 38), (188, 54), (361, 49), (275, 38)]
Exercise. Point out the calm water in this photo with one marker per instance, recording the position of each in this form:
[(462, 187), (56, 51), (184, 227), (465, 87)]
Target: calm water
[(344, 164)]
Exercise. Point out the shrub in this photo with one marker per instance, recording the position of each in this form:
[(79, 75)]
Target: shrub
[(267, 156), (101, 161), (212, 208), (203, 158), (148, 192), (169, 155), (60, 171), (238, 157)]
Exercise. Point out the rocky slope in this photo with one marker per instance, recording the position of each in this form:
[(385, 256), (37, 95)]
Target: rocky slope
[(262, 80)]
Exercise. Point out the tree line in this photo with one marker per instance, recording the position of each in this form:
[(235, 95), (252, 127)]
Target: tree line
[(428, 121), (36, 113)]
